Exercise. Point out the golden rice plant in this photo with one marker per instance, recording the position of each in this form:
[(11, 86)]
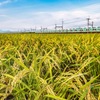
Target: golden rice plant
[(49, 67)]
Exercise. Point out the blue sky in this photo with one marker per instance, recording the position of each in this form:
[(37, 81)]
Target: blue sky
[(20, 14)]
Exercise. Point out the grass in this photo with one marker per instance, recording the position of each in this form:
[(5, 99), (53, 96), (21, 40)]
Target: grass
[(49, 67)]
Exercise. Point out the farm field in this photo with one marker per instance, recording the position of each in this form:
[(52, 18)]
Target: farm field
[(49, 67)]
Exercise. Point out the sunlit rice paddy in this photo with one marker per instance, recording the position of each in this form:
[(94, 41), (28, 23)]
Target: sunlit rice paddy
[(50, 67)]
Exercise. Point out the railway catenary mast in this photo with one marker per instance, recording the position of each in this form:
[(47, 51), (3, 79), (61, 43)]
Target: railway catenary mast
[(60, 26), (57, 27), (89, 24)]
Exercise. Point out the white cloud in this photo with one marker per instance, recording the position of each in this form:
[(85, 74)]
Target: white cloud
[(2, 15), (93, 7), (6, 2)]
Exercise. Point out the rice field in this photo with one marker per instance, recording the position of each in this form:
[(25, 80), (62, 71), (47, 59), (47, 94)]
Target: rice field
[(49, 67)]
